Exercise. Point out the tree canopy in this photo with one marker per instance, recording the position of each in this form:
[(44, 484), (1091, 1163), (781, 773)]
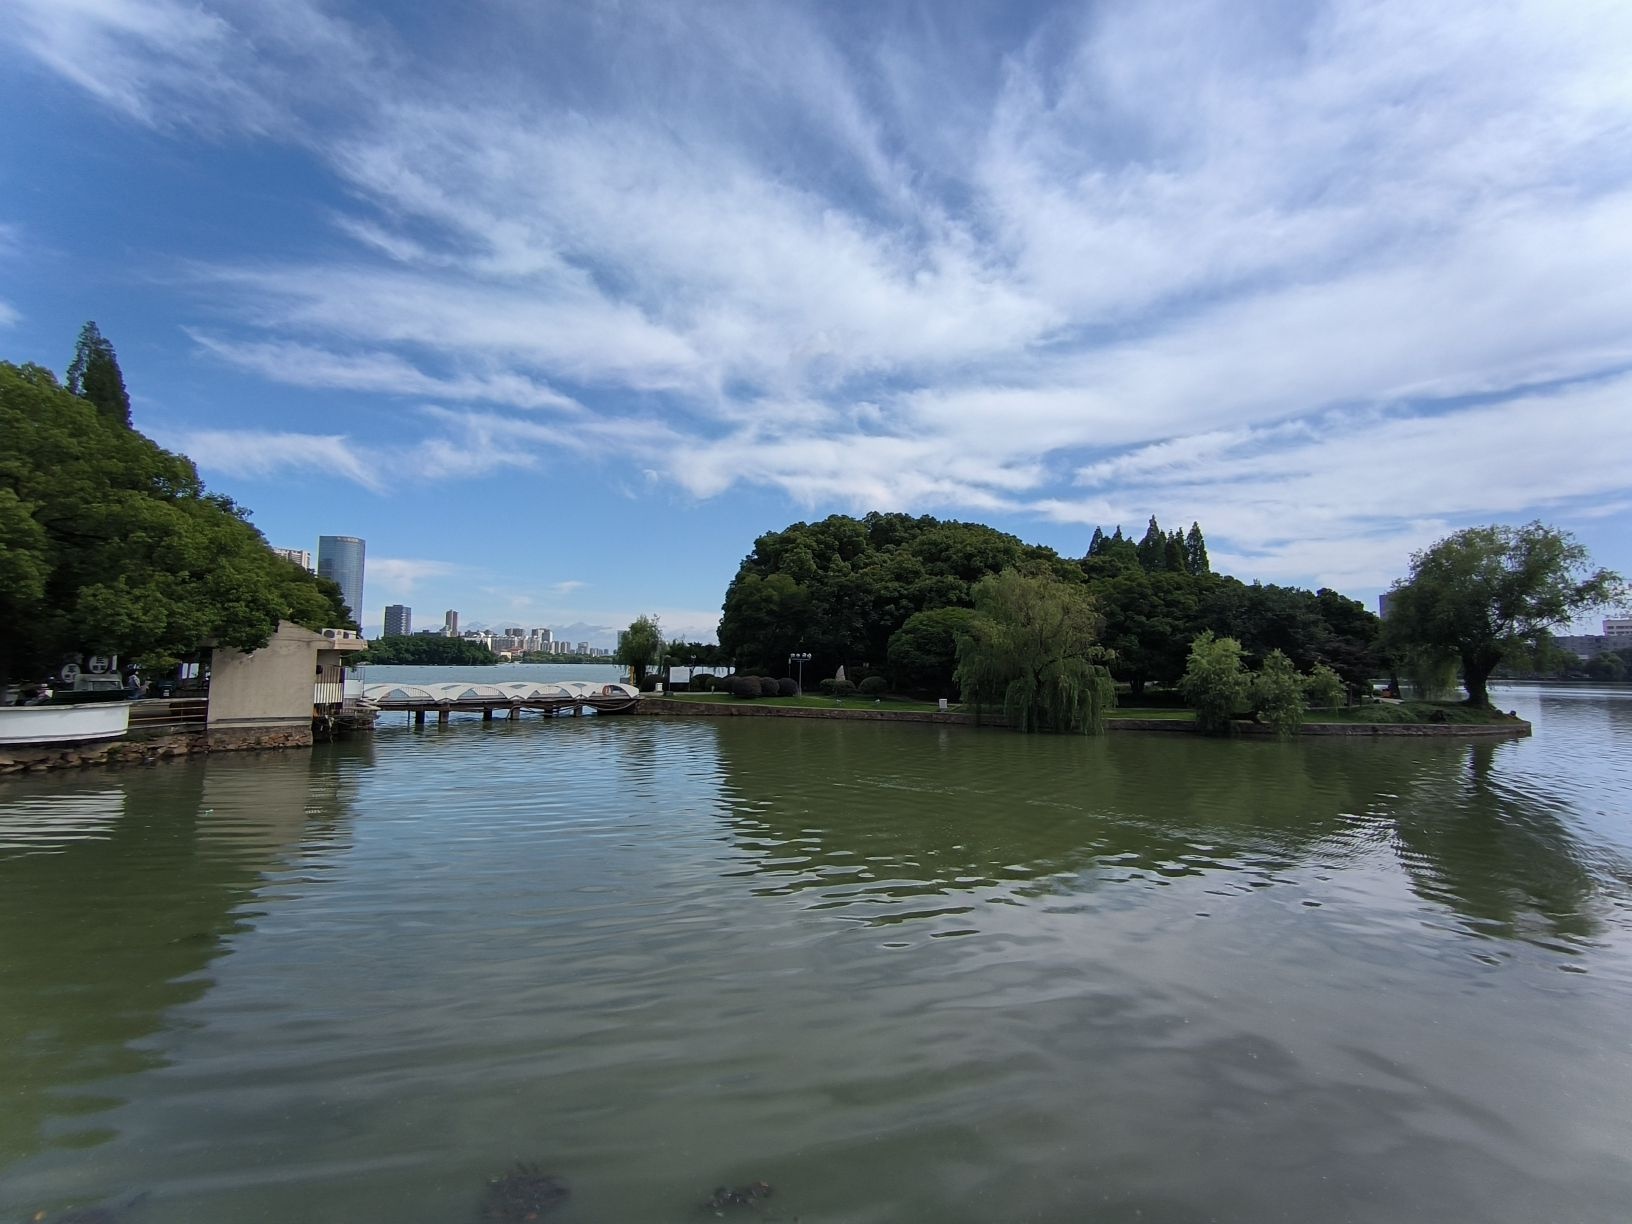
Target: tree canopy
[(640, 646), (1032, 648), (1485, 593), (110, 544)]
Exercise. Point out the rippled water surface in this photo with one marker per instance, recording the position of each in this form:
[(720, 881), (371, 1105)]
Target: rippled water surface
[(901, 973)]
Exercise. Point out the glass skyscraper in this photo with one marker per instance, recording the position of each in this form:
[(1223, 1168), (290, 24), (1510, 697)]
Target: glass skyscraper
[(340, 559)]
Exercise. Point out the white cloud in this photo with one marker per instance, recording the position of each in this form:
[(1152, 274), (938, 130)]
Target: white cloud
[(400, 575), (259, 453), (1166, 257)]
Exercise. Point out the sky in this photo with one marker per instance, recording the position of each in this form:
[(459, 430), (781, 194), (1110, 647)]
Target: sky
[(560, 305)]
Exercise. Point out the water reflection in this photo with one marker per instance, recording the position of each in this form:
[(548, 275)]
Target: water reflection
[(885, 829), (117, 892)]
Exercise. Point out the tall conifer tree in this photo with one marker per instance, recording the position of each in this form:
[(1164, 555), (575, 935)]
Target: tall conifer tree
[(1195, 548), (94, 375)]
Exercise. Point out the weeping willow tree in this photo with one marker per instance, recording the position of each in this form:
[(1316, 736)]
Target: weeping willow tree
[(1032, 648)]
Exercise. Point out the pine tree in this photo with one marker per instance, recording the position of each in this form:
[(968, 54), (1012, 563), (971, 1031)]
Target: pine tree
[(1195, 548), (94, 375), (1174, 558), (1153, 548), (1097, 544)]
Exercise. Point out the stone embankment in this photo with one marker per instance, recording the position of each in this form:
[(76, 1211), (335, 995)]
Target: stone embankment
[(1516, 728), (149, 748)]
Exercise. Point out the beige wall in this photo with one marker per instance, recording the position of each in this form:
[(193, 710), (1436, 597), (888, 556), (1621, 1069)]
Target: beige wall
[(272, 686)]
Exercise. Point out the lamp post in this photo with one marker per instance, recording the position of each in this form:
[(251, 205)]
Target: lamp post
[(801, 658)]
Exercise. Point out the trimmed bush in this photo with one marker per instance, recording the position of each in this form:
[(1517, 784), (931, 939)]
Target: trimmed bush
[(873, 686), (649, 683), (837, 688), (743, 686), (769, 687), (787, 687), (704, 682)]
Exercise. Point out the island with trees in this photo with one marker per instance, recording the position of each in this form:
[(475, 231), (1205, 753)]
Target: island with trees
[(925, 609)]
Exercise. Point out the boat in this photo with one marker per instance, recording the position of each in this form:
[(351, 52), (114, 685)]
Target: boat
[(80, 723)]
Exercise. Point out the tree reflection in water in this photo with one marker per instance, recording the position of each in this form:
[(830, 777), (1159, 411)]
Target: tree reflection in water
[(891, 824)]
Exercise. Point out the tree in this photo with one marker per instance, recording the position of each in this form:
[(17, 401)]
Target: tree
[(1324, 688), (1277, 695), (640, 647), (923, 653), (1153, 548), (1150, 620), (1215, 681), (1195, 552), (111, 545), (1487, 591), (1032, 647), (94, 375), (429, 649)]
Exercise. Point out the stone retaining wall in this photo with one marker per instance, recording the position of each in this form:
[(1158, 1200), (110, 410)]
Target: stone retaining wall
[(144, 749), (737, 709)]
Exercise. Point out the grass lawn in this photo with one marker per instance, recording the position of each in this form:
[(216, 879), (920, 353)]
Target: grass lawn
[(1167, 713)]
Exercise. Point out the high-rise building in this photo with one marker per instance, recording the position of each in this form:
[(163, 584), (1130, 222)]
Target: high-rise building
[(300, 556), (399, 620), (1618, 627), (340, 560), (1383, 600), (450, 623)]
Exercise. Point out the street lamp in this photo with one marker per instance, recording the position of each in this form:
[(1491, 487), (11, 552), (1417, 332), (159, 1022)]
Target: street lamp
[(801, 658)]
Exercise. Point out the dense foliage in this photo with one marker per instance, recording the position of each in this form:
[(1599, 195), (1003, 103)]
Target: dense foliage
[(428, 650), (1032, 649), (1215, 682), (111, 545), (1278, 694), (889, 591), (1488, 593)]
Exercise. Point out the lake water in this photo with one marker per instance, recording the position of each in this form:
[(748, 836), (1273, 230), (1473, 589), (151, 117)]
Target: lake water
[(901, 973)]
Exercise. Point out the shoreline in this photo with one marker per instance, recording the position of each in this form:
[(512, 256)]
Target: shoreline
[(648, 706)]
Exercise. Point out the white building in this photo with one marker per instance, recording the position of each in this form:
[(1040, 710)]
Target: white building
[(1618, 627)]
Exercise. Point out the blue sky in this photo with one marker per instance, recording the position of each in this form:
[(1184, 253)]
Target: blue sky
[(560, 305)]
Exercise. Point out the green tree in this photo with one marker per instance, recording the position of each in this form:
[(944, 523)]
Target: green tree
[(1488, 591), (1195, 552), (94, 375), (640, 647), (923, 653), (1215, 682), (111, 545), (1032, 647), (1277, 694), (1324, 688), (1150, 620), (1153, 548)]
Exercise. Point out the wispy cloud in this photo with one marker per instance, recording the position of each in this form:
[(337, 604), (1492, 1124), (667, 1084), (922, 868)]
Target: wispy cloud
[(400, 575), (260, 453), (1142, 257)]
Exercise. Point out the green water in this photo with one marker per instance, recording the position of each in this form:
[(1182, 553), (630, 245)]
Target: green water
[(902, 973)]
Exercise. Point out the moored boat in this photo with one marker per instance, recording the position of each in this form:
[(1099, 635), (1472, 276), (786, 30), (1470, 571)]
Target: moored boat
[(80, 723)]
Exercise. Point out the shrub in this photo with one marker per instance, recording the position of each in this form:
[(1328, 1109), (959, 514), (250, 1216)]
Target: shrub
[(769, 687), (704, 682), (649, 683), (743, 686), (1324, 688), (837, 688), (787, 687), (1215, 681), (1277, 694), (873, 686)]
